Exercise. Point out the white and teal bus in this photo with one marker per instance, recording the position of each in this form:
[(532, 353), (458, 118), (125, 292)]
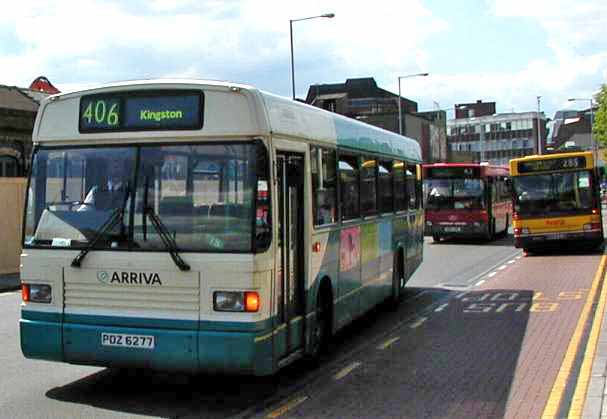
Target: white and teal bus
[(207, 226)]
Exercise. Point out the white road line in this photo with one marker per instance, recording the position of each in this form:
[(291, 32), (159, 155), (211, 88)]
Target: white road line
[(440, 308), (518, 257), (418, 323), (479, 283), (388, 343), (4, 294), (511, 261), (501, 268), (347, 370), (492, 274)]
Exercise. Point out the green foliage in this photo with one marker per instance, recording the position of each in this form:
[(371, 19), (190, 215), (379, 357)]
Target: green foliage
[(600, 119)]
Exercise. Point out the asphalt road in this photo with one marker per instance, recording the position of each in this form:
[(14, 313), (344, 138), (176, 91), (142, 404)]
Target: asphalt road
[(38, 389)]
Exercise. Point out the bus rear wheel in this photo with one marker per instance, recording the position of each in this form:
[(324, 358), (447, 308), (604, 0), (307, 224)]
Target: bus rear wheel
[(436, 238), (321, 332), (398, 279)]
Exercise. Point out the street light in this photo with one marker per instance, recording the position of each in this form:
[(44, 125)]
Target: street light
[(327, 15), (592, 144), (539, 138), (400, 113)]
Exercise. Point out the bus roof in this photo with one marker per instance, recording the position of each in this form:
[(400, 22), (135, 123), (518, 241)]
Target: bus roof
[(230, 110)]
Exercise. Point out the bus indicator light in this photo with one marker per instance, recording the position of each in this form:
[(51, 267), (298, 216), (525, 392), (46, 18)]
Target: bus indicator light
[(316, 247), (25, 292), (251, 301)]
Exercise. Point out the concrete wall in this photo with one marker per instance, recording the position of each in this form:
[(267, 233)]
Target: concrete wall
[(12, 196)]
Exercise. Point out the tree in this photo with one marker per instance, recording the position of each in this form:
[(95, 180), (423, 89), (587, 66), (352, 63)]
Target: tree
[(599, 130)]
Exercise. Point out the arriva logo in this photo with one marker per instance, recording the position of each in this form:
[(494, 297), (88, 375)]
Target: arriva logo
[(103, 276), (129, 278)]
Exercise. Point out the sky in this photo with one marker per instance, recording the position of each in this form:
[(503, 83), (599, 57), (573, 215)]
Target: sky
[(507, 51)]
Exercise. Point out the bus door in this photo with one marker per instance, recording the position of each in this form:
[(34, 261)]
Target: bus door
[(290, 286)]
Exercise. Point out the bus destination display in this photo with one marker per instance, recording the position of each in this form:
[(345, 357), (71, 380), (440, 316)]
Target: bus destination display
[(549, 165), (138, 112), (453, 172)]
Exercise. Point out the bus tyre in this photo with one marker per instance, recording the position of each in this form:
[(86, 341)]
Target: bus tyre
[(321, 332), (398, 280), (436, 238)]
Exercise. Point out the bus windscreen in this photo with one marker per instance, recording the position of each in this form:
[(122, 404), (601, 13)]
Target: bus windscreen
[(553, 193), (455, 193)]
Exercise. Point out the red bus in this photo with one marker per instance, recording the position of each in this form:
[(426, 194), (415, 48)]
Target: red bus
[(466, 200)]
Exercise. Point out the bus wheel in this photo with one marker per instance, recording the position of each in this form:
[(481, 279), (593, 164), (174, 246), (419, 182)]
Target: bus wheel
[(436, 238), (398, 279), (321, 331)]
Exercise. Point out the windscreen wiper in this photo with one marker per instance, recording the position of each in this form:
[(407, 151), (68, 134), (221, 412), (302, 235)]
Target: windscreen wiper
[(169, 242), (110, 223), (115, 217)]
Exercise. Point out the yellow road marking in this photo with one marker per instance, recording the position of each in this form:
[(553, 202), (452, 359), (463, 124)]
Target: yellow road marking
[(558, 388), (347, 370), (388, 343), (286, 407), (579, 395)]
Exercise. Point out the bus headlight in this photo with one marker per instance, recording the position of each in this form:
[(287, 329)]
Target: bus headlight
[(36, 293), (239, 301)]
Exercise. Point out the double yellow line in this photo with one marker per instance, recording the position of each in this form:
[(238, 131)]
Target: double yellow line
[(558, 389)]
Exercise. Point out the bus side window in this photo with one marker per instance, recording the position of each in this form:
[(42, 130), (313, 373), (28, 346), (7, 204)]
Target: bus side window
[(324, 186), (368, 186), (384, 193), (349, 186), (400, 188)]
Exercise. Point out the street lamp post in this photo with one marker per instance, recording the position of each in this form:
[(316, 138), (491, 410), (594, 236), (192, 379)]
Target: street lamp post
[(400, 112), (592, 143), (327, 15), (539, 137)]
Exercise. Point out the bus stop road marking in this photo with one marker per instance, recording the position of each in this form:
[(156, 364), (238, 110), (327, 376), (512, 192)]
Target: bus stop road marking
[(479, 283), (492, 274), (347, 370), (287, 406), (388, 343), (501, 268), (560, 384)]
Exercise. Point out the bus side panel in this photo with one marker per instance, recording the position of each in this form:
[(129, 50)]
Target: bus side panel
[(386, 250), (324, 264), (370, 294), (348, 300), (411, 247)]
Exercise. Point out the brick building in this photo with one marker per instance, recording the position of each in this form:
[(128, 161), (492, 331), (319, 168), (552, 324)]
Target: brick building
[(18, 108), (363, 100)]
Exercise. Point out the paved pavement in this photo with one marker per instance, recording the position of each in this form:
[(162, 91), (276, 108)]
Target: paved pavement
[(595, 404), (9, 282)]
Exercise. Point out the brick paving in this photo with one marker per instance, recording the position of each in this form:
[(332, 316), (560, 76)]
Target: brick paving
[(492, 352)]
